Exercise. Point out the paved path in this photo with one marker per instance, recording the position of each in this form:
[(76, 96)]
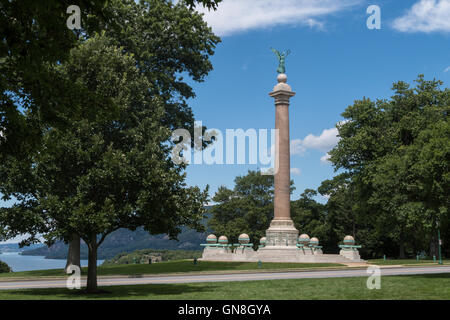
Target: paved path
[(386, 271)]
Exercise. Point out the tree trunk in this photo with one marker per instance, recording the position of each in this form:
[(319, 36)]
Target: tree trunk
[(402, 250), (92, 267), (73, 256), (434, 245)]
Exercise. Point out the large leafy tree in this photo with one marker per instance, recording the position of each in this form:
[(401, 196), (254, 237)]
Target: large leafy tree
[(248, 208), (34, 35), (165, 40), (114, 172), (395, 155), (343, 217), (169, 42), (309, 217)]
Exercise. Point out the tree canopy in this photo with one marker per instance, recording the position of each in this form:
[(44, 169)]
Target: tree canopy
[(248, 208), (107, 174), (109, 167), (168, 40), (396, 156)]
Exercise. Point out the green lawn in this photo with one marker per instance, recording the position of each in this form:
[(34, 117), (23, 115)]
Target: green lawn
[(188, 266), (422, 287), (404, 262), (173, 267)]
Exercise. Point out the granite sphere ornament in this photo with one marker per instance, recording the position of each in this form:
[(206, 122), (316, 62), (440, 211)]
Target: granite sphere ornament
[(303, 239), (349, 240), (211, 239), (223, 240), (244, 239), (314, 241)]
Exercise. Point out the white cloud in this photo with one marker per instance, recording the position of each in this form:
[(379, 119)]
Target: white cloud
[(296, 171), (325, 159), (326, 141), (235, 16), (425, 16), (447, 69)]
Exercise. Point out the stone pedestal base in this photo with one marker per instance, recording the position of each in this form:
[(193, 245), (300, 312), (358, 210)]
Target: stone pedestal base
[(350, 254), (281, 246), (308, 251), (276, 254), (243, 250), (281, 233), (216, 253), (279, 254), (244, 254)]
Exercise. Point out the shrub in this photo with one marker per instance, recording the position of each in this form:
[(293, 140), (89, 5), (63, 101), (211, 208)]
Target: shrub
[(4, 267)]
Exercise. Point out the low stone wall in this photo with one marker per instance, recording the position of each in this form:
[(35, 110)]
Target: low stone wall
[(278, 254)]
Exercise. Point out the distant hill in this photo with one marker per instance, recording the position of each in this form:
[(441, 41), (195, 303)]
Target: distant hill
[(14, 247), (124, 240)]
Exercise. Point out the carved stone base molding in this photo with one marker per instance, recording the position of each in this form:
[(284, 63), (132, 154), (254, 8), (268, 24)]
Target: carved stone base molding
[(281, 233)]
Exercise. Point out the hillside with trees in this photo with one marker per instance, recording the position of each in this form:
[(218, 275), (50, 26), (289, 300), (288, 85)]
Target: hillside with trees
[(123, 241)]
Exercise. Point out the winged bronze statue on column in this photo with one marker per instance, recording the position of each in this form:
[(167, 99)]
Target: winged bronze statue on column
[(282, 59)]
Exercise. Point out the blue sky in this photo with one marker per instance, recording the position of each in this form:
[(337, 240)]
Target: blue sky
[(335, 59)]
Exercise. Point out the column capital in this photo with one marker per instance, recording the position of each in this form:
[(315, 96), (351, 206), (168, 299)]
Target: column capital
[(282, 92)]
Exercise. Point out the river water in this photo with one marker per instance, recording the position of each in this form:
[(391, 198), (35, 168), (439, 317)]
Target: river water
[(19, 262)]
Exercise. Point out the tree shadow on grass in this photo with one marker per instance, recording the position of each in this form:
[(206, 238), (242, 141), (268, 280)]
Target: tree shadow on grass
[(177, 266), (431, 276), (148, 291)]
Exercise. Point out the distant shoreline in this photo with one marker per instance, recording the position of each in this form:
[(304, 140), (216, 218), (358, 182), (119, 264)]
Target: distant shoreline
[(19, 262)]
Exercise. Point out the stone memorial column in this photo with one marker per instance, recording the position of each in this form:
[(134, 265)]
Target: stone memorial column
[(282, 231)]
